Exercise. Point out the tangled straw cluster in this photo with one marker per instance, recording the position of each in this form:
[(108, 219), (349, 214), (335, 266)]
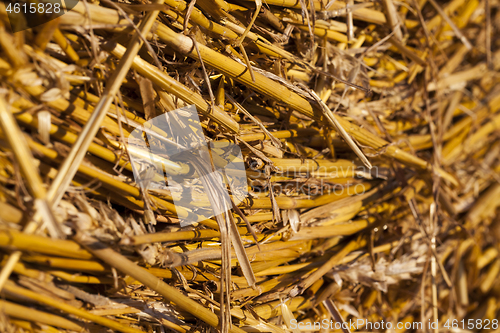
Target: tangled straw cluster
[(396, 103)]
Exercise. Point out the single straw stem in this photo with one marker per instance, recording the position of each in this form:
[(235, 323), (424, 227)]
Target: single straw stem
[(453, 26)]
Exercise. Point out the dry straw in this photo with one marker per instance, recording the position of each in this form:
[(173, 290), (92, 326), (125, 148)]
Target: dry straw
[(369, 132)]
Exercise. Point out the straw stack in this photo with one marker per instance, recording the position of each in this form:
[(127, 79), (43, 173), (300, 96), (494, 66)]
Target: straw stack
[(370, 136)]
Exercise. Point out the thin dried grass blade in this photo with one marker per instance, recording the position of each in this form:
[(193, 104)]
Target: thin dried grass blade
[(288, 318), (335, 313), (241, 254), (333, 121)]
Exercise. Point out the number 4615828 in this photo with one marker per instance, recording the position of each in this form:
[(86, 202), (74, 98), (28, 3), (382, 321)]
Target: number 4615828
[(472, 324), (41, 8)]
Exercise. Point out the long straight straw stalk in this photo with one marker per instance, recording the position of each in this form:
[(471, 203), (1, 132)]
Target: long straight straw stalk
[(70, 165)]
